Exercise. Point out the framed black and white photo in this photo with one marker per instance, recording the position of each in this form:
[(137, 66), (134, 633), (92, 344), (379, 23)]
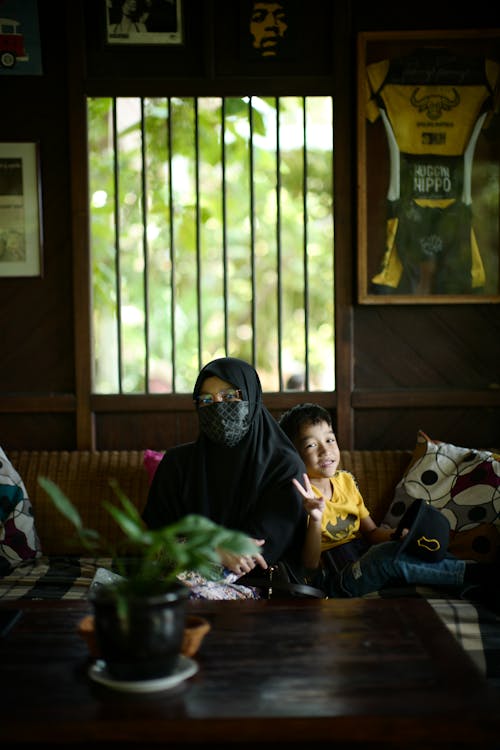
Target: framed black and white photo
[(143, 22), (20, 210)]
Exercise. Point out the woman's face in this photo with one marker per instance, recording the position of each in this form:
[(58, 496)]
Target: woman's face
[(214, 390), (129, 7), (137, 10), (213, 385), (225, 419)]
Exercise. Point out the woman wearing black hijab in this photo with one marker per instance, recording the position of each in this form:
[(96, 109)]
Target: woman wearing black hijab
[(238, 472)]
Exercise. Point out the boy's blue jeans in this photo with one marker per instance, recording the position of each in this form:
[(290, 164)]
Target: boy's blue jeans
[(377, 568)]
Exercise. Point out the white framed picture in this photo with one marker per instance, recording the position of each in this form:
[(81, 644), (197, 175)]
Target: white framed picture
[(20, 210)]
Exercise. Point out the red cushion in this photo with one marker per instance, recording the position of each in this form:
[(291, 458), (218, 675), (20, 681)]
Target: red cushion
[(151, 461)]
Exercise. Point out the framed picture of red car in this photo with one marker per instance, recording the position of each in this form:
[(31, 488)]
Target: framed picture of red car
[(428, 195)]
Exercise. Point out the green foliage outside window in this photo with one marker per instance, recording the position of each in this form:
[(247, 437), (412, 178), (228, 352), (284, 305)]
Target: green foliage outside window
[(181, 271)]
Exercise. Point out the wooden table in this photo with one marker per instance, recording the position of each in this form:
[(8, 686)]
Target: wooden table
[(343, 672)]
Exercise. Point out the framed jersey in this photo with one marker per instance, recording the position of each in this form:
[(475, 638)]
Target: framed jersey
[(428, 166)]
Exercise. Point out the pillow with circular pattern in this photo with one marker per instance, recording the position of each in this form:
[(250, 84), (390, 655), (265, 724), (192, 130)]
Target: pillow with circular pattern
[(464, 484)]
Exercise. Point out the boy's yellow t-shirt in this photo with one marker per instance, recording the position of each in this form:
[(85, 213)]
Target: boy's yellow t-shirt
[(343, 512)]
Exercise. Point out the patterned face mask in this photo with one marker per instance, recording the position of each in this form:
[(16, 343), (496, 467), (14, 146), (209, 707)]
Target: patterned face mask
[(225, 423)]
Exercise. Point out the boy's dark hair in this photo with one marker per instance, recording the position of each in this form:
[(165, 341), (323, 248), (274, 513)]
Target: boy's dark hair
[(292, 420)]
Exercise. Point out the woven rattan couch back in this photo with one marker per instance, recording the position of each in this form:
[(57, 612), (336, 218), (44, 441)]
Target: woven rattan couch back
[(85, 476)]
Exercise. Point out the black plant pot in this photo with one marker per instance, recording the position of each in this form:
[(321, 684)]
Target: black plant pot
[(141, 640)]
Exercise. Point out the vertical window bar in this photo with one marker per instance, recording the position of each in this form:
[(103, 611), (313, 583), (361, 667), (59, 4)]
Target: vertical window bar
[(278, 245), (305, 235), (252, 229), (198, 243), (224, 225), (145, 249), (117, 248), (171, 216)]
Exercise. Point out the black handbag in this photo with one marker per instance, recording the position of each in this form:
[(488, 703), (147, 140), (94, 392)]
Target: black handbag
[(280, 581)]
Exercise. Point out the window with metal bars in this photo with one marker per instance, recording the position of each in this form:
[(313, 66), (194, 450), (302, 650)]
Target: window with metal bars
[(211, 235)]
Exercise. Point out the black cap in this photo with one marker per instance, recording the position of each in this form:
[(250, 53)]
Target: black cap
[(429, 532)]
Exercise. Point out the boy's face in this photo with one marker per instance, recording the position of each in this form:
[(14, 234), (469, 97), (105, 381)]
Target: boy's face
[(318, 448)]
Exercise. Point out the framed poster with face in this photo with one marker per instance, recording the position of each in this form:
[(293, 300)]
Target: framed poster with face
[(270, 31), (428, 167)]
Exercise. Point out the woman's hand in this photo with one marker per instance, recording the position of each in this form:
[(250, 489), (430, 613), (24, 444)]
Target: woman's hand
[(241, 564), (313, 505)]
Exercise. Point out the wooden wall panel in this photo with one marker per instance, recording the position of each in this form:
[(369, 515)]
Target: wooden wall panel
[(397, 428), (37, 313), (37, 431), (428, 346), (140, 430), (399, 367)]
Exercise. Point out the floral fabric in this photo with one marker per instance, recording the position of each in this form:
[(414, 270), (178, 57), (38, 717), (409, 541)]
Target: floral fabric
[(18, 537)]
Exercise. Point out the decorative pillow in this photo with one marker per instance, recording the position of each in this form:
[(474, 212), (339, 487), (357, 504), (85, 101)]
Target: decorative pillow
[(18, 538), (464, 484), (151, 461)]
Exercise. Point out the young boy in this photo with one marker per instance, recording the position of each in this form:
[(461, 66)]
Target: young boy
[(345, 551)]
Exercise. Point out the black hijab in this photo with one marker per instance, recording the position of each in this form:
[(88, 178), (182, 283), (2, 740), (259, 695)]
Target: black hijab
[(246, 487)]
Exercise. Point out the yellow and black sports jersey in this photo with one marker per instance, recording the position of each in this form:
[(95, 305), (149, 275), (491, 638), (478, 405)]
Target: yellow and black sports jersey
[(433, 105)]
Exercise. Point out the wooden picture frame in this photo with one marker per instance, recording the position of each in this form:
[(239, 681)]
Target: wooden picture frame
[(20, 210), (151, 22), (428, 167)]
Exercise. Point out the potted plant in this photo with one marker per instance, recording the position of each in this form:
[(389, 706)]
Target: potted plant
[(140, 615)]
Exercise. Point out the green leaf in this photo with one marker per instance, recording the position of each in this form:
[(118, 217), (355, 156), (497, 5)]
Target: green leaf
[(160, 555)]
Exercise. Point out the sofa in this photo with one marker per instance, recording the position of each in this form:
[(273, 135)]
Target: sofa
[(84, 477), (62, 569)]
